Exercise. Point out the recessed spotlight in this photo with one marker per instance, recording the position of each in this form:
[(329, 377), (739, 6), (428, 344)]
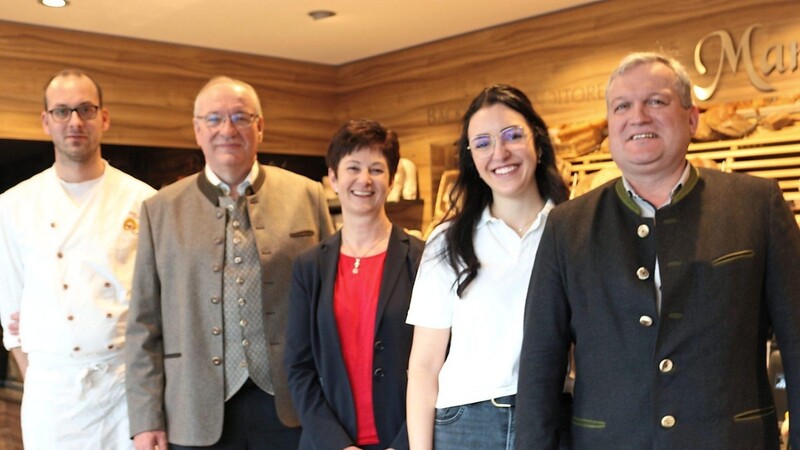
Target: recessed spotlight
[(54, 3), (321, 14)]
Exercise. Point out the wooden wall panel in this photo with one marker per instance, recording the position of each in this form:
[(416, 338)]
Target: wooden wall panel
[(149, 87), (562, 61)]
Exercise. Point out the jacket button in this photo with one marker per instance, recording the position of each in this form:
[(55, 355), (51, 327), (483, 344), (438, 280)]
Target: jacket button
[(216, 360), (378, 373), (642, 273), (76, 349), (70, 317), (668, 421), (643, 231), (59, 255), (645, 321), (220, 215), (245, 343), (215, 299), (378, 345), (218, 240), (216, 331), (666, 366), (215, 268)]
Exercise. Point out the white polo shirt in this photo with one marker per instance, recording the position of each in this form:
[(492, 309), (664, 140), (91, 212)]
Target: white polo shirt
[(486, 323)]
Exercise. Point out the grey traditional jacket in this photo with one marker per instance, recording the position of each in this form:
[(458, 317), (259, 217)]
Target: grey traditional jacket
[(174, 369)]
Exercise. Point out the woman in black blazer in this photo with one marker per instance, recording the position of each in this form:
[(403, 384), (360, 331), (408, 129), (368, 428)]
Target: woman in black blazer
[(347, 343)]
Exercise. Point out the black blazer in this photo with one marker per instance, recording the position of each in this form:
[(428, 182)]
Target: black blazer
[(318, 379)]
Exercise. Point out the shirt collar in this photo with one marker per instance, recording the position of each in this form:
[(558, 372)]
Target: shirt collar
[(487, 218), (649, 207), (242, 188)]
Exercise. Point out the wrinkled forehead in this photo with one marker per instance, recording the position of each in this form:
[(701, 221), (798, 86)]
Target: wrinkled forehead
[(226, 97), (644, 77)]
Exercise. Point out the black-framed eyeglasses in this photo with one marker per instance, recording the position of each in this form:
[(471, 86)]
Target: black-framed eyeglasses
[(86, 111), (239, 120), (483, 144)]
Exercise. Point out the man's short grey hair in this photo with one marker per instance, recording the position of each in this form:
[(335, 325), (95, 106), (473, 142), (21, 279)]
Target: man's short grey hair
[(228, 80), (683, 84)]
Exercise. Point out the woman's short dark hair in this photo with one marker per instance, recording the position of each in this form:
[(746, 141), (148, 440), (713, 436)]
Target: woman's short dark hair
[(471, 195), (364, 133)]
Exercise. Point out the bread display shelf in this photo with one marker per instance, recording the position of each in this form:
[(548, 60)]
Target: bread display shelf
[(765, 154)]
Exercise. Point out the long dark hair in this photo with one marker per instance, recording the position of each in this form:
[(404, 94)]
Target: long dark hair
[(471, 195)]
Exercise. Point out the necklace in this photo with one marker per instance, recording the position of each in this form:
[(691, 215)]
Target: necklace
[(357, 262), (527, 224)]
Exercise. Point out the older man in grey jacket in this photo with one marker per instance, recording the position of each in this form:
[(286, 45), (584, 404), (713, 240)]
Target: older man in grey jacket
[(210, 290)]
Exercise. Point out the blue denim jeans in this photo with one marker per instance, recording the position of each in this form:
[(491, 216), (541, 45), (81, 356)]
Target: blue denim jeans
[(485, 425)]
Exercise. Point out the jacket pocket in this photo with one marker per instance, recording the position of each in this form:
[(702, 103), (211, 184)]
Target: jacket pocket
[(754, 414), (588, 423), (730, 257), (301, 233), (172, 355)]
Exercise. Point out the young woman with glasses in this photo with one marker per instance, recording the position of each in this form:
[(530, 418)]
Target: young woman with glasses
[(469, 297)]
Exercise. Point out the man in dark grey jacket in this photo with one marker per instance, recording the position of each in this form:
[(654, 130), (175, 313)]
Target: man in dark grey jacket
[(668, 282)]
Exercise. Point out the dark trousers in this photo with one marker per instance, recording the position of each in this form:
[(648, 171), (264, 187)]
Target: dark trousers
[(251, 423)]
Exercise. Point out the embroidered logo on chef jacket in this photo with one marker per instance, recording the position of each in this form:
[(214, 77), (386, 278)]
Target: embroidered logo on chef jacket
[(131, 223)]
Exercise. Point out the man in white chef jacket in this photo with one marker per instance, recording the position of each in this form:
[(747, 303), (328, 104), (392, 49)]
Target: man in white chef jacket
[(67, 249)]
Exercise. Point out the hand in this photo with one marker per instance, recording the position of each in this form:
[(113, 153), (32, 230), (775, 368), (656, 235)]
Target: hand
[(21, 359), (13, 326), (150, 440)]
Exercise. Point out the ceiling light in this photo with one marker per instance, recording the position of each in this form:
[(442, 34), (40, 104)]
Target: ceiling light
[(54, 3), (321, 14)]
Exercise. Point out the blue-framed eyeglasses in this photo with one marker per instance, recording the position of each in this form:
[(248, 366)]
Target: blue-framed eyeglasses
[(483, 144)]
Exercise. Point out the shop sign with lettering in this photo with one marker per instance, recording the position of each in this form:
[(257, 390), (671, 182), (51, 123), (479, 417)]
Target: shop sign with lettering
[(778, 57)]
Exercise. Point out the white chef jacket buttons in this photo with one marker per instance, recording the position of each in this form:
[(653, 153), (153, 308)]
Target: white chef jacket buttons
[(645, 321), (643, 231), (668, 421), (642, 273), (665, 366)]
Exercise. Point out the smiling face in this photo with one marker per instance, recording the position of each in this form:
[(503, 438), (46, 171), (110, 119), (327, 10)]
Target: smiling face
[(649, 130), (362, 182), (230, 151), (508, 169), (75, 140)]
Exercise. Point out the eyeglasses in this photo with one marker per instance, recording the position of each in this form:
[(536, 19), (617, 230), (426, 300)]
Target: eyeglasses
[(63, 113), (239, 120), (483, 144)]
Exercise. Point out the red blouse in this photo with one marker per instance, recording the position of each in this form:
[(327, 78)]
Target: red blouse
[(355, 305)]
